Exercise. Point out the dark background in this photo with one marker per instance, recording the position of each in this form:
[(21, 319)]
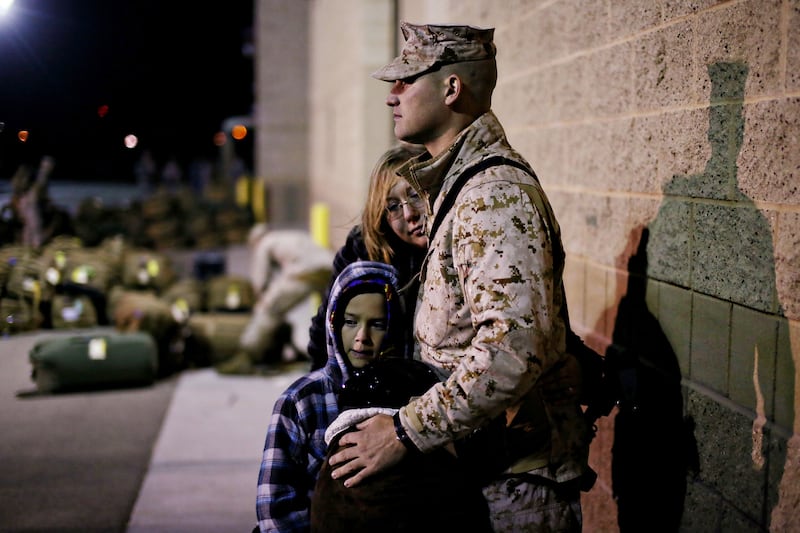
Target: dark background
[(169, 71)]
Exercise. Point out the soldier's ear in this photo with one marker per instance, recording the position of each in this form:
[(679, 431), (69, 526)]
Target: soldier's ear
[(453, 88)]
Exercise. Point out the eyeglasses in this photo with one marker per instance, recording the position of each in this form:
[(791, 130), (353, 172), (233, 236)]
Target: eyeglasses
[(394, 208)]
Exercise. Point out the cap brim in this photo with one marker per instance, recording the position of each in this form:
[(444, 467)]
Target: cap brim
[(400, 69)]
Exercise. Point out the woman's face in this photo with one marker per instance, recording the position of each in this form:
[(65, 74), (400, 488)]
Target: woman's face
[(364, 328), (405, 213)]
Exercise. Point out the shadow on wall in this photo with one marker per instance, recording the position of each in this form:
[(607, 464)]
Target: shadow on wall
[(654, 445), (711, 240)]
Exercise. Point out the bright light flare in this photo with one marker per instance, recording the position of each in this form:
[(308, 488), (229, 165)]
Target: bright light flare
[(5, 6), (239, 132), (22, 135), (131, 141)]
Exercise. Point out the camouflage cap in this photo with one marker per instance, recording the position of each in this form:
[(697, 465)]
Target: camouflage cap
[(430, 45)]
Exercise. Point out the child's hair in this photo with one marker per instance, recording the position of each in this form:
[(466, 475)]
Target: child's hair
[(378, 235)]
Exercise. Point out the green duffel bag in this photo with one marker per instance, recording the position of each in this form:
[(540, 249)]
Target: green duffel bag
[(90, 267), (18, 315), (144, 311), (24, 278), (72, 311), (185, 296), (229, 292), (144, 269), (8, 258), (215, 336), (94, 361)]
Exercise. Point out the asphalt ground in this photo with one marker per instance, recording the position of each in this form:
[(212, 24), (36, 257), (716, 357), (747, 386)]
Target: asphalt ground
[(180, 455), (177, 456), (73, 461)]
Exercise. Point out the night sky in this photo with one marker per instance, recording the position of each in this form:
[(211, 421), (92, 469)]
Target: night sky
[(169, 71)]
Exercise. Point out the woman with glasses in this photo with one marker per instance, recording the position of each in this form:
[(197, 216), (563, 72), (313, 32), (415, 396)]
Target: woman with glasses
[(392, 231)]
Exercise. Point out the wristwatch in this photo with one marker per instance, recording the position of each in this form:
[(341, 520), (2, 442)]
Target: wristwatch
[(401, 434)]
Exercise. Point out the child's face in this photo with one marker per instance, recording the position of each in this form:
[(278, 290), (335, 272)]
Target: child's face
[(364, 328)]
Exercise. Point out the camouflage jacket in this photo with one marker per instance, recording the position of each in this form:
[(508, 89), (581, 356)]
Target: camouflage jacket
[(488, 315)]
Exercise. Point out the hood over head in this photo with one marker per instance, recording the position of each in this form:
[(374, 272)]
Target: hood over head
[(358, 278)]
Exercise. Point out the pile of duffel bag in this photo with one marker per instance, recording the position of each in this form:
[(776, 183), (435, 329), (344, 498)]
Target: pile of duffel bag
[(185, 321), (169, 219)]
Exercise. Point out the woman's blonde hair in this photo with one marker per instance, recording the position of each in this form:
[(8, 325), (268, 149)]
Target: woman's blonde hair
[(378, 235)]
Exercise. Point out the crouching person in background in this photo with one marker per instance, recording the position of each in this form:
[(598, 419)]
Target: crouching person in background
[(287, 266)]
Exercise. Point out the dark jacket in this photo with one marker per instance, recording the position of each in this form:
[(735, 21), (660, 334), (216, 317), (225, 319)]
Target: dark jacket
[(424, 492)]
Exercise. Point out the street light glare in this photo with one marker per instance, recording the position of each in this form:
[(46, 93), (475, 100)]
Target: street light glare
[(5, 6)]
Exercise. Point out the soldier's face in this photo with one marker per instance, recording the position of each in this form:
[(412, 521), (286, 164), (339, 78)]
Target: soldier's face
[(418, 108)]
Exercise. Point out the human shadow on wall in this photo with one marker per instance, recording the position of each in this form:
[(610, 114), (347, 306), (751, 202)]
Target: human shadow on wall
[(653, 445), (708, 238)]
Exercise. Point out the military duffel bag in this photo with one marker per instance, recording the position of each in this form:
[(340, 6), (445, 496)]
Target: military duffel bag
[(90, 361)]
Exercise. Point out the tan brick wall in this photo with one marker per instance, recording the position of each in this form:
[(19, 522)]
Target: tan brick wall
[(678, 122), (611, 103), (350, 124), (281, 32)]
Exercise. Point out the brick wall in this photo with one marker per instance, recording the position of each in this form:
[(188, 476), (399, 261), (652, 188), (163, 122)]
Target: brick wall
[(281, 34), (666, 135), (350, 126)]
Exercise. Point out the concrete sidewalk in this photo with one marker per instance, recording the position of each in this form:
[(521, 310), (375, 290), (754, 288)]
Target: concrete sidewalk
[(203, 471), (204, 468)]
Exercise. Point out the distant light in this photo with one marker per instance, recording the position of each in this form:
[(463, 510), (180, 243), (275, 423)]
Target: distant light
[(5, 6), (239, 132), (102, 111), (22, 135), (219, 138), (131, 141), (2, 126)]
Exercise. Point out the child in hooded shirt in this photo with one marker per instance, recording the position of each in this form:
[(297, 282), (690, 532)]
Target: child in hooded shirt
[(364, 323), (424, 492)]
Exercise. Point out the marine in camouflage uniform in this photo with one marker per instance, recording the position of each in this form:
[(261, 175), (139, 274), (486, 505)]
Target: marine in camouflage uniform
[(488, 316), (489, 319), (287, 266)]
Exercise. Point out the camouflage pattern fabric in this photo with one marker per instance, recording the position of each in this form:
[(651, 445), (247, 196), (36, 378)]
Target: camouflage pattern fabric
[(520, 506), (428, 45), (488, 315)]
